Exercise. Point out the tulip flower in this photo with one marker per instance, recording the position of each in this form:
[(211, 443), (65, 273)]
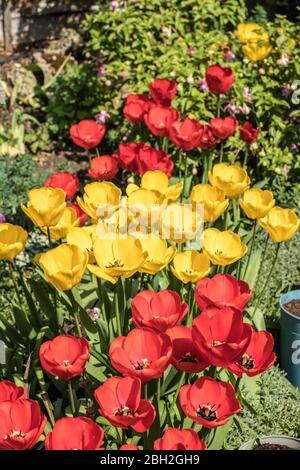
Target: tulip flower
[(129, 447), (99, 199), (67, 221), (248, 133), (158, 310), (219, 79), (45, 206), (21, 424), (186, 134), (223, 127), (135, 107), (223, 290), (128, 155), (256, 52), (221, 336), (180, 222), (281, 224), (190, 266), (185, 355), (179, 439), (207, 139), (63, 180), (258, 357), (10, 391), (257, 203), (65, 356), (223, 248), (143, 353), (63, 266), (87, 134), (159, 255), (159, 119), (81, 216), (208, 402), (213, 199), (140, 204), (251, 33), (157, 180), (120, 257), (120, 402), (163, 91), (231, 179), (74, 434), (104, 167), (13, 239), (81, 237), (152, 159)]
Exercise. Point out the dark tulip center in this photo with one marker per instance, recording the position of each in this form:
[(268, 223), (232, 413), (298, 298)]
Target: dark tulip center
[(15, 433), (207, 412), (188, 357), (142, 364), (123, 411), (247, 362)]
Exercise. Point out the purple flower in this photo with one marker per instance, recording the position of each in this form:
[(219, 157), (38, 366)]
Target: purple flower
[(229, 55), (114, 5), (246, 93), (232, 109), (93, 313), (2, 218), (245, 109), (293, 147), (191, 51), (190, 79), (203, 85), (284, 60), (102, 117), (101, 72), (285, 90)]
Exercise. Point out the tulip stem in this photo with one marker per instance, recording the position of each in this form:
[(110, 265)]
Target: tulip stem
[(221, 151), (261, 294), (219, 106), (211, 371), (181, 381), (251, 249), (237, 384), (185, 175), (116, 310), (71, 397), (12, 275), (262, 262), (49, 237), (246, 157), (123, 436), (75, 313), (49, 407)]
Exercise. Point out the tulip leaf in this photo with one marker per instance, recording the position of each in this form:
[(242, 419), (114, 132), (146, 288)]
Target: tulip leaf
[(21, 321), (219, 437), (253, 268)]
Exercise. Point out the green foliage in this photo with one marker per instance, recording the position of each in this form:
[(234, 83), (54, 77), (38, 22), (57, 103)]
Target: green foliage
[(276, 404)]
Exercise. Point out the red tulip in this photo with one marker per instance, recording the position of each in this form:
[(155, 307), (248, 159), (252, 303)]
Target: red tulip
[(223, 127), (10, 391), (209, 402), (163, 91), (158, 310), (129, 447), (185, 355), (64, 180), (135, 107), (128, 155), (87, 134), (104, 167), (65, 356), (180, 439), (221, 336), (248, 133), (159, 120), (186, 134), (142, 353), (207, 139), (219, 79), (258, 357), (120, 403), (152, 159), (82, 216), (75, 434), (223, 290), (21, 424)]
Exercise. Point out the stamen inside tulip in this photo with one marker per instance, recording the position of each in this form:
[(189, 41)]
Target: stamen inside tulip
[(207, 412), (142, 364), (123, 411), (247, 362), (188, 357), (216, 343), (66, 362), (14, 434), (117, 263), (218, 252)]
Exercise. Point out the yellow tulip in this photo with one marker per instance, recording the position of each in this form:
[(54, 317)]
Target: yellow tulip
[(223, 248), (256, 203), (12, 241), (63, 266), (140, 204), (256, 52), (190, 266), (100, 199), (180, 222), (82, 238), (281, 224), (158, 181), (45, 206), (121, 257), (231, 179), (212, 198), (251, 33), (159, 255), (67, 221)]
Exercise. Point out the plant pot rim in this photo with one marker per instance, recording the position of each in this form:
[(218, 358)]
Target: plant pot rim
[(281, 302), (264, 439)]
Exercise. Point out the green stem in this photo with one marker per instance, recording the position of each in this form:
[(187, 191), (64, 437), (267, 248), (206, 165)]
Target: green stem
[(49, 237), (49, 407), (185, 175), (123, 436), (218, 106), (71, 397), (261, 263), (116, 309), (101, 298), (75, 313), (221, 151), (251, 249), (145, 391), (237, 384), (225, 215), (211, 371), (191, 303), (236, 211), (12, 275), (261, 294), (181, 381), (246, 157)]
